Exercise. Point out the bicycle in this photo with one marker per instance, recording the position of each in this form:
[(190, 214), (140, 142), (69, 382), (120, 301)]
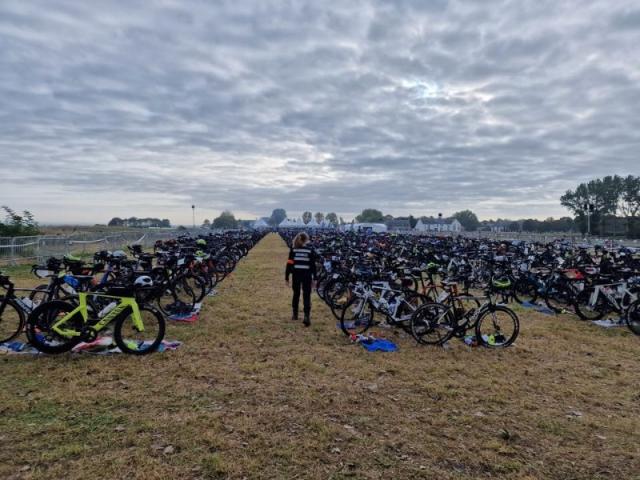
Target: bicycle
[(12, 312), (494, 325), (57, 326), (397, 306)]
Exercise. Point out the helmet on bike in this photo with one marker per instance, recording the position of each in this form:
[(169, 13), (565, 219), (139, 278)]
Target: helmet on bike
[(119, 254), (201, 242), (501, 282), (432, 267), (71, 258), (143, 281)]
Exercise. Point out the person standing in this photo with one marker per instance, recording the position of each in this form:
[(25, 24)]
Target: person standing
[(302, 267)]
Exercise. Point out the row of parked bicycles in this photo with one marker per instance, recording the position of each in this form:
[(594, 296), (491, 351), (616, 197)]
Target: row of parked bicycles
[(440, 288), (132, 293)]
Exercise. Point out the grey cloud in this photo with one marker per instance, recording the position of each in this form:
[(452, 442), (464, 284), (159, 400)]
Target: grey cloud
[(408, 106)]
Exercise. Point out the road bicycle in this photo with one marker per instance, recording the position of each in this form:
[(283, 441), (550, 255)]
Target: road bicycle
[(57, 326), (493, 325), (396, 305), (604, 298)]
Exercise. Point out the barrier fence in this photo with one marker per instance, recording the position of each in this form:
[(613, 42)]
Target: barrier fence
[(14, 250), (570, 237)]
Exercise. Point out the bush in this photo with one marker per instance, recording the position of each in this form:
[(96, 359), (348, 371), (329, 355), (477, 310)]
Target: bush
[(18, 225)]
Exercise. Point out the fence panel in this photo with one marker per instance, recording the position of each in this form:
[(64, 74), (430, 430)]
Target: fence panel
[(14, 250)]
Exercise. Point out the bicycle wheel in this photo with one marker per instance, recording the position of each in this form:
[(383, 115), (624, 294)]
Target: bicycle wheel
[(184, 291), (136, 341), (41, 334), (357, 317), (558, 298), (633, 317), (525, 290), (433, 324), (11, 320), (585, 310), (340, 297), (197, 286), (497, 327)]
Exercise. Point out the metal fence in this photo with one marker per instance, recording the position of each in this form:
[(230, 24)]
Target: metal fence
[(573, 238), (14, 250)]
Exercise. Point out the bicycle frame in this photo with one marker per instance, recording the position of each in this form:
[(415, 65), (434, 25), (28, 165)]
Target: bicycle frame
[(613, 292), (123, 304)]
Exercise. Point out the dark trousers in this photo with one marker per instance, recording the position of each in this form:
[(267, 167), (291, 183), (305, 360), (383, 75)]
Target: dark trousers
[(301, 280)]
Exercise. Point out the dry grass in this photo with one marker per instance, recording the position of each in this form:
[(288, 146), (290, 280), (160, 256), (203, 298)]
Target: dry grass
[(253, 395)]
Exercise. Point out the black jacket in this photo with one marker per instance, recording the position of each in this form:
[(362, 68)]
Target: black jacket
[(301, 260)]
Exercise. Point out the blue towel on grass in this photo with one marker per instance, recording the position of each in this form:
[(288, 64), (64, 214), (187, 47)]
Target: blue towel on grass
[(379, 345)]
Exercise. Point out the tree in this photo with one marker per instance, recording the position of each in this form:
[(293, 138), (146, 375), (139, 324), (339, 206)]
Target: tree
[(306, 217), (413, 221), (332, 218), (370, 215), (115, 222), (319, 216), (277, 216), (598, 198), (206, 224), (165, 223), (468, 219), (630, 202), (225, 220), (18, 225)]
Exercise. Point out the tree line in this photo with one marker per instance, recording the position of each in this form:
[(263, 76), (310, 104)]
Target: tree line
[(607, 206), (227, 220), (139, 222)]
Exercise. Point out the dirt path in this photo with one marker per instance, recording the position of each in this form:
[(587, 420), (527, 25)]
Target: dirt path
[(253, 395)]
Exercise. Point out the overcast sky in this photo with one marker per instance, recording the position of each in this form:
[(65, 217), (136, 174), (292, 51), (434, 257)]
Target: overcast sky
[(410, 106)]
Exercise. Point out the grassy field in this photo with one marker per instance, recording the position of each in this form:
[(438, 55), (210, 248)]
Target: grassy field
[(252, 394)]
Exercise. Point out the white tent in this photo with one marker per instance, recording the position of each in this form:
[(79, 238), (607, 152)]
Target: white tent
[(295, 223), (259, 224), (326, 224)]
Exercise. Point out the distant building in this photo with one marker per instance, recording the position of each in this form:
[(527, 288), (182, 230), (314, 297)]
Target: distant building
[(358, 227), (431, 224)]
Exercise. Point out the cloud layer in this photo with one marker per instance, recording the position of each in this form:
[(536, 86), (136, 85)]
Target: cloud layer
[(143, 108)]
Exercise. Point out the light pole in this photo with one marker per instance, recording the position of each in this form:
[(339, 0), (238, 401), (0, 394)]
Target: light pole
[(193, 211)]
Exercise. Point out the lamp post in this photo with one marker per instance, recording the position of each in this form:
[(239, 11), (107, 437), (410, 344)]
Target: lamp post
[(193, 211), (440, 222)]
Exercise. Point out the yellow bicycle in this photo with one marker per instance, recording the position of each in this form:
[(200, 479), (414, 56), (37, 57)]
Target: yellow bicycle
[(58, 326)]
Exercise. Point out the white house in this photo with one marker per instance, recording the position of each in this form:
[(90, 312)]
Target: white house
[(430, 224)]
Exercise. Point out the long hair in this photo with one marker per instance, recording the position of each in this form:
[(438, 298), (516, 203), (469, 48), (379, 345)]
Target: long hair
[(300, 240)]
